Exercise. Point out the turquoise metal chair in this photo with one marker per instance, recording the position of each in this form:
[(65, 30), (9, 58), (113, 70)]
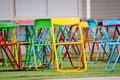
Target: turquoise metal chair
[(114, 57), (113, 44), (97, 43)]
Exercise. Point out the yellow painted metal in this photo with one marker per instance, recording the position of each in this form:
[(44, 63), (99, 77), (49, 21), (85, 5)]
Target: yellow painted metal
[(14, 47), (84, 25), (65, 22)]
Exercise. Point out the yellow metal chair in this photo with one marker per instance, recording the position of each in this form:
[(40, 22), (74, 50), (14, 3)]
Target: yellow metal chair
[(68, 41), (85, 29)]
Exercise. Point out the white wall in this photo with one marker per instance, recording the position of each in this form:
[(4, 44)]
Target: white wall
[(30, 7), (61, 8), (46, 8), (4, 9)]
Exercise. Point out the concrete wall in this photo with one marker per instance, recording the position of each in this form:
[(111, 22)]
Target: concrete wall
[(100, 9)]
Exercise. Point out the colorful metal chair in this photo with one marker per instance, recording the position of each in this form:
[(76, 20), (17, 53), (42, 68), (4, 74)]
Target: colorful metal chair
[(68, 41), (114, 57), (113, 43), (40, 55), (98, 41), (8, 43), (24, 27)]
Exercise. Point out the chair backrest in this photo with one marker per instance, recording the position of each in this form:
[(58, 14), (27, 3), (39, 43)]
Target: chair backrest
[(65, 21), (111, 22), (84, 25), (92, 23), (65, 27), (7, 24), (42, 23), (25, 22)]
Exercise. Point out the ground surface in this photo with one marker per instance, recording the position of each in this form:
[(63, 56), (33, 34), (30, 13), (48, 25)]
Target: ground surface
[(94, 72), (92, 78)]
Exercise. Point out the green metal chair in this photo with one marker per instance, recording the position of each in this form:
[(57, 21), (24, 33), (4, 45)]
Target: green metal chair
[(8, 43), (41, 51)]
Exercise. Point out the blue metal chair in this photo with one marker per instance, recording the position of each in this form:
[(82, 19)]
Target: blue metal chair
[(98, 41), (93, 29), (113, 56), (113, 44)]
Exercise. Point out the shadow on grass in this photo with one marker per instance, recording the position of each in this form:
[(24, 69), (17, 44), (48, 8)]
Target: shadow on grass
[(11, 70), (34, 76)]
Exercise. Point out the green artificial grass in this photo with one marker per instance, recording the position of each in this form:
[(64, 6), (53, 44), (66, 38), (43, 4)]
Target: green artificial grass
[(94, 70)]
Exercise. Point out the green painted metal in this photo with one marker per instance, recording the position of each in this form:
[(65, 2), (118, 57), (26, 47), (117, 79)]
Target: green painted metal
[(42, 23)]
